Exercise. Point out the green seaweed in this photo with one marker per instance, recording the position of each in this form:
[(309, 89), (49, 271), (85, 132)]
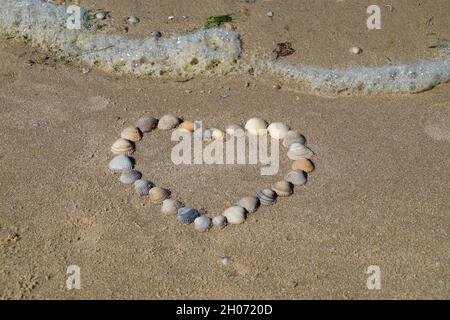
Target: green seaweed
[(217, 21)]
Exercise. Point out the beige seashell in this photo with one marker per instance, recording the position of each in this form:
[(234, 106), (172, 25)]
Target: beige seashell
[(278, 130), (355, 50), (303, 164), (235, 130), (283, 188), (123, 146), (234, 215), (250, 204), (299, 151), (219, 221), (218, 134), (256, 126), (296, 177), (158, 195), (147, 123), (293, 137), (202, 223), (170, 206), (132, 134), (187, 125), (168, 121)]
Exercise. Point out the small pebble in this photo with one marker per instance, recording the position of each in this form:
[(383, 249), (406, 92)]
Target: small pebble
[(133, 19), (170, 17), (35, 125), (225, 261), (85, 70), (156, 34), (269, 14), (356, 50), (276, 87), (29, 62), (100, 15)]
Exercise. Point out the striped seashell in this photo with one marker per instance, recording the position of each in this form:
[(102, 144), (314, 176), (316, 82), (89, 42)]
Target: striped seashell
[(283, 188), (132, 134), (299, 151), (250, 204), (296, 177), (120, 163), (277, 130), (202, 223), (130, 176), (142, 186), (170, 206), (147, 123), (219, 221), (293, 137), (168, 121), (256, 126), (123, 146), (267, 197), (187, 215), (158, 195), (235, 215), (304, 165)]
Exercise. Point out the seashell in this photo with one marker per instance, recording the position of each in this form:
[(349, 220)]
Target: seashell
[(219, 221), (133, 19), (132, 134), (267, 197), (123, 146), (278, 130), (207, 135), (235, 130), (187, 215), (100, 15), (296, 177), (251, 204), (293, 137), (142, 186), (355, 50), (218, 134), (170, 206), (202, 223), (283, 188), (158, 195), (120, 163), (130, 176), (304, 165), (256, 126), (299, 151), (235, 215), (168, 121), (187, 125), (147, 124)]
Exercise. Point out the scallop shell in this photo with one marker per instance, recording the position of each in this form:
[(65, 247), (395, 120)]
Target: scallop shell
[(132, 134), (168, 121), (304, 165), (256, 126), (299, 151), (147, 124), (158, 195), (187, 125), (293, 137), (142, 186), (170, 206), (187, 215), (202, 223), (218, 134), (123, 146), (219, 221), (296, 177), (267, 197), (120, 163), (130, 176), (278, 130), (235, 130), (283, 188), (235, 215), (251, 204)]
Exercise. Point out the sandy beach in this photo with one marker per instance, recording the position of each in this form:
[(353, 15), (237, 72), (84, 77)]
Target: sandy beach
[(378, 196)]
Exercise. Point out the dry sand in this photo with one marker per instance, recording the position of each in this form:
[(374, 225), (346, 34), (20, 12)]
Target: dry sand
[(379, 195)]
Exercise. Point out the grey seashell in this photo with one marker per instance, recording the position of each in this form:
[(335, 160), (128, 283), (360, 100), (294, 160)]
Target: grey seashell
[(187, 215), (293, 137), (158, 195), (219, 221), (170, 206), (168, 121), (142, 186), (207, 135), (296, 177), (250, 204), (147, 123), (130, 176), (299, 151), (235, 130), (202, 223), (133, 19), (120, 163), (235, 215), (267, 197), (283, 188)]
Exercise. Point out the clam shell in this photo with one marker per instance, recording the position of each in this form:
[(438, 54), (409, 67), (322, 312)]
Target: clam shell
[(120, 163), (158, 195), (293, 137), (168, 121), (278, 130), (142, 186), (283, 188), (256, 126), (250, 204), (299, 151), (187, 125), (235, 215), (130, 176), (147, 124), (170, 206), (296, 177), (187, 215), (132, 134), (219, 221), (202, 223), (304, 165), (235, 130), (218, 134), (267, 197), (123, 146)]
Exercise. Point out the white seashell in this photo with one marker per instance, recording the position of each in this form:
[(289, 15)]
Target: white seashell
[(256, 126), (202, 223), (218, 134), (296, 177), (299, 151), (133, 19), (100, 15), (235, 130), (355, 50), (120, 163), (130, 176), (219, 221), (123, 146), (170, 206), (132, 134), (293, 137), (147, 124), (158, 195), (267, 197), (168, 121), (278, 130), (142, 186), (250, 204), (283, 188), (234, 215)]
